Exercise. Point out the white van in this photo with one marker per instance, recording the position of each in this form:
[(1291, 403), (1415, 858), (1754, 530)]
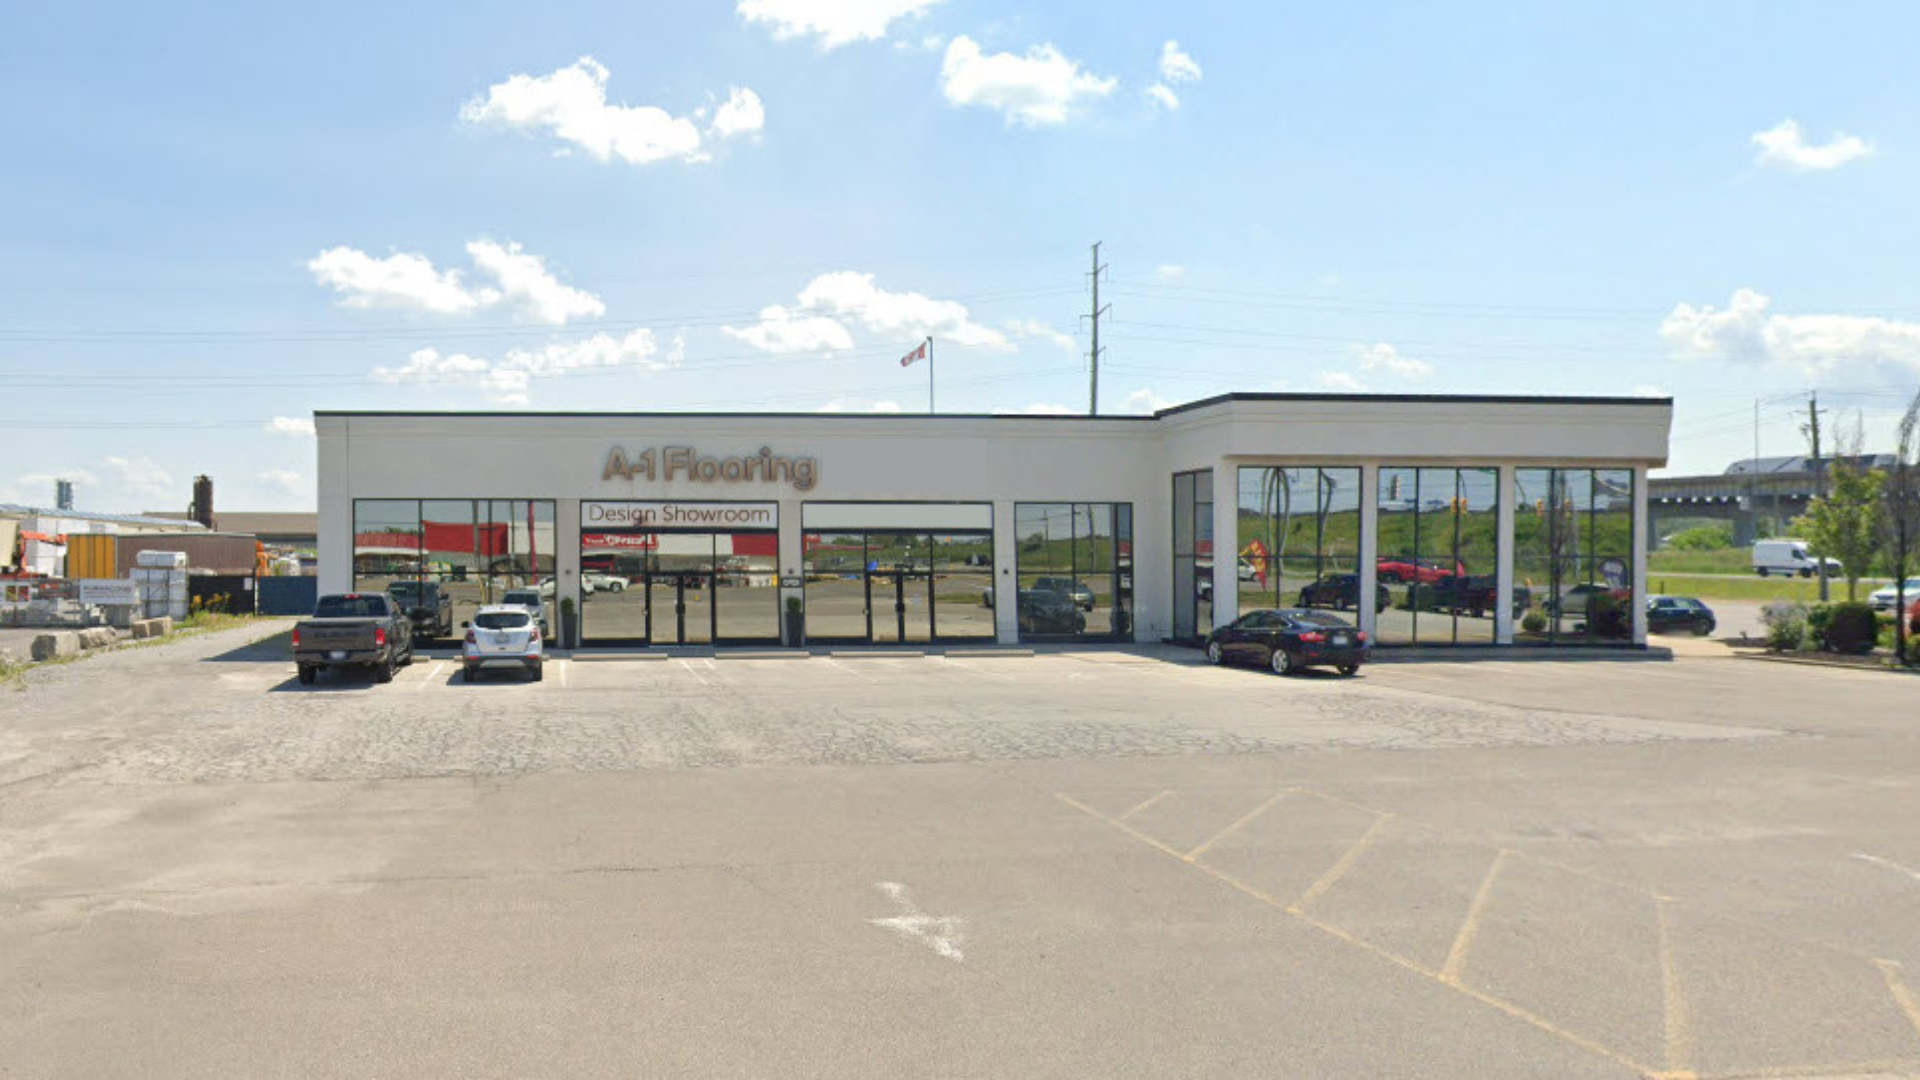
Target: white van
[(1788, 557)]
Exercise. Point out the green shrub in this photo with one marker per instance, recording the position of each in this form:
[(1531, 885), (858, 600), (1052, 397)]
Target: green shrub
[(1852, 628), (1607, 617), (1715, 537), (1786, 623), (1913, 650), (1533, 622), (1819, 619)]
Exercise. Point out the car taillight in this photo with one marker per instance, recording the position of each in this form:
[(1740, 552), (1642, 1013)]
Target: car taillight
[(1360, 635), (379, 636), (1313, 637), (296, 637), (470, 637)]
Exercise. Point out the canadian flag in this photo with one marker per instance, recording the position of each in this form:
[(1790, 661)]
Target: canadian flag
[(919, 353)]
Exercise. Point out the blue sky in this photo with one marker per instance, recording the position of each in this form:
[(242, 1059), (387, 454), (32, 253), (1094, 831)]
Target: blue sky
[(218, 220)]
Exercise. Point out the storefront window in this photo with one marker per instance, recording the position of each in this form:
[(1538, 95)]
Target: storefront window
[(1299, 538), (666, 586), (472, 551), (1192, 554), (1438, 555), (1573, 561), (1075, 570), (898, 585)]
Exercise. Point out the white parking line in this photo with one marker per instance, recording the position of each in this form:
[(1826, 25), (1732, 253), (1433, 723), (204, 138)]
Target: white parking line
[(563, 674), (963, 666), (863, 677), (691, 670), (433, 673)]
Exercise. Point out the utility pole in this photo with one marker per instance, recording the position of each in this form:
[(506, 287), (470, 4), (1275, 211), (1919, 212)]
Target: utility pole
[(1819, 478), (1753, 470), (1093, 388)]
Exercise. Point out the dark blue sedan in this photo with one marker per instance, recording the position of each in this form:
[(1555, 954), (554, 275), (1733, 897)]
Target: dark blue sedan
[(1287, 639)]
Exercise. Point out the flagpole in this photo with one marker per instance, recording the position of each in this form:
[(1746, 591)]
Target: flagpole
[(929, 375)]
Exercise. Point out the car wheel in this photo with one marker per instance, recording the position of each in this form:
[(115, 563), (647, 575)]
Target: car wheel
[(307, 674), (383, 671), (1214, 654), (1761, 570), (1349, 670), (1806, 572), (1702, 628), (535, 672), (1281, 662), (466, 674)]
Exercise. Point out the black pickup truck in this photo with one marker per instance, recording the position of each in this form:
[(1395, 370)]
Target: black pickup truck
[(427, 604), (354, 630)]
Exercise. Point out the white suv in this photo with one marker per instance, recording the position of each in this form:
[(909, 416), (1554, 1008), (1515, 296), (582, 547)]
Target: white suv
[(502, 635)]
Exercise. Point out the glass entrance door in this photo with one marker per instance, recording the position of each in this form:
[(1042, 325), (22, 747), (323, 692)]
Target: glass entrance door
[(899, 607), (680, 608)]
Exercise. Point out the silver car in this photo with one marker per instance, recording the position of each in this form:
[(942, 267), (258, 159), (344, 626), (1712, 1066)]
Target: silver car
[(529, 599), (502, 635)]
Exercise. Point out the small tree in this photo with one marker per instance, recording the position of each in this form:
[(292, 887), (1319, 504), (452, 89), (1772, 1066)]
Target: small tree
[(1845, 523), (1900, 523)]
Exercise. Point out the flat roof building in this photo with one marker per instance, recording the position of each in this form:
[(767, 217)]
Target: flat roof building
[(1430, 520)]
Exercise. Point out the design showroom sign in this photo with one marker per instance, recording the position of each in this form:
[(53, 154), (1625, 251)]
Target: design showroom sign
[(678, 515), (683, 463)]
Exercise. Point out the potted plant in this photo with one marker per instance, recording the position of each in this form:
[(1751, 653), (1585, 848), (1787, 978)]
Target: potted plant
[(796, 628), (569, 633)]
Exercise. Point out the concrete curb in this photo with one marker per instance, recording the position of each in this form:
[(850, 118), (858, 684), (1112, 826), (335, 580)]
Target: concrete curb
[(1808, 661)]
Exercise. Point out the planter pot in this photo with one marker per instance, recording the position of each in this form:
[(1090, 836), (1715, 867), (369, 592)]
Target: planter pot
[(795, 623)]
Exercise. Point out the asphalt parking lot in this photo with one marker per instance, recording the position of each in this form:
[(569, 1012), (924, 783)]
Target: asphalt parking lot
[(1081, 863)]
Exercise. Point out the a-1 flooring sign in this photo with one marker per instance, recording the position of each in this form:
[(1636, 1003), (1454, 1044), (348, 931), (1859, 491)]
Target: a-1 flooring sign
[(672, 464)]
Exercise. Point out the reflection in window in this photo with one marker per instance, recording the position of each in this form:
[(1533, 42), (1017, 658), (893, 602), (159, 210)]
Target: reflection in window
[(473, 549), (1573, 555), (1438, 555), (1299, 542), (1074, 569), (898, 586)]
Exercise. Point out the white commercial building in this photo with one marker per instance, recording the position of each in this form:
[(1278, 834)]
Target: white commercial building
[(1430, 520)]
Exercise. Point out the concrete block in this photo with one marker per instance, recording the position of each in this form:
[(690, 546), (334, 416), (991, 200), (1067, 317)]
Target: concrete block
[(162, 626), (55, 645), (97, 637), (146, 628)]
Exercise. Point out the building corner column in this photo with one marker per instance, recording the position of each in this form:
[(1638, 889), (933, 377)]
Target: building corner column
[(790, 562), (1226, 546), (1640, 549), (1006, 584), (1504, 560), (566, 563), (1369, 569)]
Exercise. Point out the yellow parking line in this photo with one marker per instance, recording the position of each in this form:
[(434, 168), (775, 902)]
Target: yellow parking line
[(1245, 819), (1469, 929), (1339, 869), (1679, 1037), (1144, 803)]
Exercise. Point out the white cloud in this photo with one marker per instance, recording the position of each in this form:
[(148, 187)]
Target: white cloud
[(1144, 400), (1785, 147), (1169, 272), (1649, 390), (848, 405), (1747, 332), (282, 480), (526, 284), (740, 114), (408, 281), (571, 103), (399, 280), (291, 425), (901, 315), (1040, 408), (1176, 66), (1340, 380), (1034, 328), (509, 379), (1381, 356), (833, 22), (784, 330), (138, 476), (1162, 95), (1040, 88)]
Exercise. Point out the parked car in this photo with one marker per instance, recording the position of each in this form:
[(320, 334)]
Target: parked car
[(1885, 599), (1789, 557), (592, 581), (427, 604), (1577, 599), (1424, 571), (1476, 596), (1043, 611), (502, 635), (353, 630), (530, 600), (1341, 591), (1068, 587), (1288, 639), (1674, 613)]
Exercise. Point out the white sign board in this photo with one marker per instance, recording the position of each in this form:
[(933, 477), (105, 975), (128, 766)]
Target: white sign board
[(109, 592), (716, 516)]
